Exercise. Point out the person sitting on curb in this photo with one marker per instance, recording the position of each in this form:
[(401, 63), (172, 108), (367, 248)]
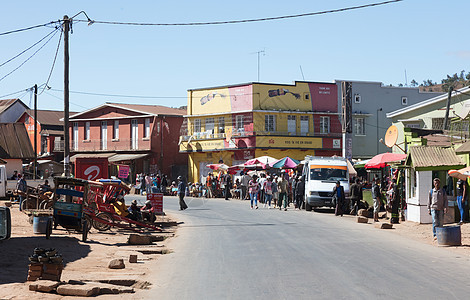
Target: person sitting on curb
[(148, 212), (134, 211)]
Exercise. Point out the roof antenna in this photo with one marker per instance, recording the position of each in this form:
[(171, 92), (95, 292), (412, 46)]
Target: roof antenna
[(303, 78), (406, 79)]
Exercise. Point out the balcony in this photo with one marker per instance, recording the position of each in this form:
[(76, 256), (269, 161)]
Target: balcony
[(58, 145), (242, 133), (111, 145)]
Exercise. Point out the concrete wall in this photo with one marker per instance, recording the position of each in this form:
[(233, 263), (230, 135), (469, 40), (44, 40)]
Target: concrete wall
[(374, 96)]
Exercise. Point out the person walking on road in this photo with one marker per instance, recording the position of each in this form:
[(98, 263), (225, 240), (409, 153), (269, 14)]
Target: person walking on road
[(461, 193), (244, 184), (356, 196), (338, 198), (22, 187), (299, 192), (228, 185), (275, 191), (254, 189), (395, 202), (437, 205), (283, 190), (377, 197), (181, 193), (268, 191)]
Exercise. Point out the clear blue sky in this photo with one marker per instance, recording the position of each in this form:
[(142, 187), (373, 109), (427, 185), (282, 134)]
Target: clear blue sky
[(427, 38)]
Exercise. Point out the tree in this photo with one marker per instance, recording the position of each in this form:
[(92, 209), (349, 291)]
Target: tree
[(415, 83)]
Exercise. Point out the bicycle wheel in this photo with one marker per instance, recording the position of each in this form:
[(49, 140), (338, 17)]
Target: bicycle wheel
[(100, 225)]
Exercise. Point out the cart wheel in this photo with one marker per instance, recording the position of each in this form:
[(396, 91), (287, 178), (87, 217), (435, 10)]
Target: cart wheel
[(89, 222), (84, 230), (48, 229), (46, 204), (102, 226)]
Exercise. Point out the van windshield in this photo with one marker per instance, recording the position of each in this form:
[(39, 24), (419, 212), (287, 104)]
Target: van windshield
[(328, 174)]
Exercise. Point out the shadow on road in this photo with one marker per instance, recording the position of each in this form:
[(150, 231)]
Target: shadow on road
[(14, 262), (231, 225)]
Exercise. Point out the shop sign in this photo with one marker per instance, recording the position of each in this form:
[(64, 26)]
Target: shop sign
[(288, 142), (157, 201)]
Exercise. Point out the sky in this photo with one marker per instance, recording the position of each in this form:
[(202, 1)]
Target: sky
[(425, 39)]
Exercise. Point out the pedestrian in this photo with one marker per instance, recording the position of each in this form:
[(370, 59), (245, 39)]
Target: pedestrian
[(244, 184), (268, 192), (261, 182), (275, 191), (15, 175), (181, 193), (209, 185), (461, 194), (377, 197), (228, 185), (148, 184), (356, 196), (395, 202), (254, 189), (338, 198), (22, 188), (283, 185), (299, 192), (437, 205)]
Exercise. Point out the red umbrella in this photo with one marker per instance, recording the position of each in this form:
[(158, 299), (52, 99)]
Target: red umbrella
[(381, 160)]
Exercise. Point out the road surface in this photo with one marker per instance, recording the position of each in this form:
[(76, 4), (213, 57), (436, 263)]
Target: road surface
[(225, 250)]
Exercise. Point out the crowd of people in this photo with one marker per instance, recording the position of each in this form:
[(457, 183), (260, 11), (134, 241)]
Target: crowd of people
[(151, 183)]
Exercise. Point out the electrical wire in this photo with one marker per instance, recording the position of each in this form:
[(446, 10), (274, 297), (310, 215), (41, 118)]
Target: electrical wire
[(243, 21), (55, 32), (3, 96), (122, 96), (53, 64), (19, 54), (61, 99), (29, 28)]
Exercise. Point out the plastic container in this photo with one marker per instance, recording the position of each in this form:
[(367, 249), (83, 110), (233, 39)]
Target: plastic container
[(40, 224), (449, 235)]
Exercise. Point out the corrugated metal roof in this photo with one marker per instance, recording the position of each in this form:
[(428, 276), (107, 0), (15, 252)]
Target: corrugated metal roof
[(432, 156), (4, 104), (464, 148), (90, 155), (49, 117), (14, 141), (124, 157)]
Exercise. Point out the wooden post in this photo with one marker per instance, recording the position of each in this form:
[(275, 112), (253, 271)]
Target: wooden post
[(66, 97)]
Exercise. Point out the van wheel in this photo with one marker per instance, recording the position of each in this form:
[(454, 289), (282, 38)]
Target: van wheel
[(308, 207)]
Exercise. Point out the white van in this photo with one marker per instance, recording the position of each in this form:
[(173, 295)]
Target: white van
[(321, 175), (3, 181)]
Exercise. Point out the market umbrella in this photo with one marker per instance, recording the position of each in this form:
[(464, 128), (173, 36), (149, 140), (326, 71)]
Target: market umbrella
[(465, 172), (222, 167), (381, 160), (457, 174), (285, 163), (263, 161)]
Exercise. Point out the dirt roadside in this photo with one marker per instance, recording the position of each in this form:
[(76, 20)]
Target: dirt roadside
[(83, 261)]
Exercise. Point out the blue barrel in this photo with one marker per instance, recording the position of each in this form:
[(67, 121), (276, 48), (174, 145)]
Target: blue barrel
[(449, 236), (40, 224)]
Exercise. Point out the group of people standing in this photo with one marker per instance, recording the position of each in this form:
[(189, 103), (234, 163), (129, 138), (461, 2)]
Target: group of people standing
[(151, 183)]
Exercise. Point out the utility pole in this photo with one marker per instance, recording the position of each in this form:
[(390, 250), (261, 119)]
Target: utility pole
[(259, 52), (35, 166), (446, 119), (66, 97), (378, 110)]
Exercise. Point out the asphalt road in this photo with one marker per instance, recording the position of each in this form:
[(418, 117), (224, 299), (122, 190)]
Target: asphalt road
[(225, 250)]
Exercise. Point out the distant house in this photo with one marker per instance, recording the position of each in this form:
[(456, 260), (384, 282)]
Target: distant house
[(15, 146), (144, 137), (50, 132), (11, 110)]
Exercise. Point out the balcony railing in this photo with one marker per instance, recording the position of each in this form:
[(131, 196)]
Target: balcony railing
[(242, 133), (111, 145), (58, 146)]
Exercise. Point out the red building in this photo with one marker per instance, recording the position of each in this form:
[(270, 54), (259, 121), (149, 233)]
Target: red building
[(145, 137)]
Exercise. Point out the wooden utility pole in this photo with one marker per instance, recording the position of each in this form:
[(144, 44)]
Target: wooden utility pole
[(446, 119), (35, 166), (66, 97)]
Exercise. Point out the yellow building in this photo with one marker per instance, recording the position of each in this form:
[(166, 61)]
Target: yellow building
[(239, 122)]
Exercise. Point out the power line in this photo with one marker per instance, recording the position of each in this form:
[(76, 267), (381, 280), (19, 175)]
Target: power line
[(29, 28), (30, 56), (61, 99), (13, 93), (243, 21), (19, 54), (122, 96), (53, 64)]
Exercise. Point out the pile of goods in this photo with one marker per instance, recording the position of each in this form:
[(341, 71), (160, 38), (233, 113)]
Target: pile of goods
[(45, 264)]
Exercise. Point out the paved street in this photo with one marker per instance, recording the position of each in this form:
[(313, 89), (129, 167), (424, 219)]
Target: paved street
[(224, 250)]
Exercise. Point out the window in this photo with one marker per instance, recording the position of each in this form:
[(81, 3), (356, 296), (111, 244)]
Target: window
[(116, 130), (303, 125), (359, 128), (270, 123), (239, 123), (307, 96), (134, 134), (87, 131), (221, 125), (197, 125), (404, 100), (291, 124), (357, 98), (147, 128), (104, 135), (210, 125), (75, 136), (324, 125)]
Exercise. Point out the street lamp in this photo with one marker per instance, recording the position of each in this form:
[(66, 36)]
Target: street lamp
[(379, 109)]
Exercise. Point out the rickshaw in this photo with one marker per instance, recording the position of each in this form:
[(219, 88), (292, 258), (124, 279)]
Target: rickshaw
[(102, 209), (70, 200)]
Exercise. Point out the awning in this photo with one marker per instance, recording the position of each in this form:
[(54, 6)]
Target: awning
[(91, 155), (433, 158), (464, 148), (124, 157), (47, 132)]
